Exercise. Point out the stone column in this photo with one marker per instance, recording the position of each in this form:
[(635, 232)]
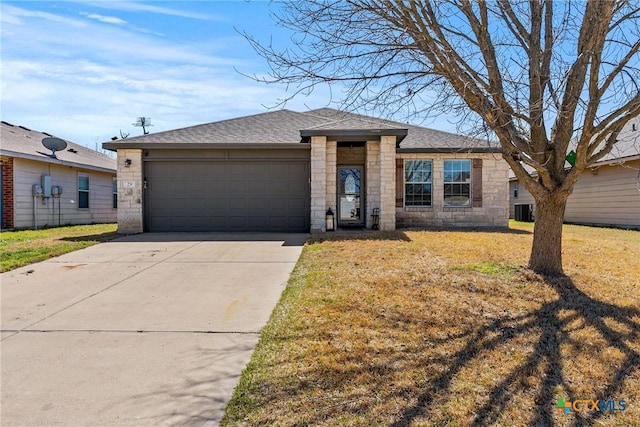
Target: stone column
[(387, 183), (318, 183), (372, 179), (332, 176), (130, 192)]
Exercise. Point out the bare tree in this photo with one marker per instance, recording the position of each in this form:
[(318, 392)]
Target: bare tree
[(542, 77)]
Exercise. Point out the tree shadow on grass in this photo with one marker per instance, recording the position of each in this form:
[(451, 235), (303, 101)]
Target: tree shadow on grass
[(553, 322)]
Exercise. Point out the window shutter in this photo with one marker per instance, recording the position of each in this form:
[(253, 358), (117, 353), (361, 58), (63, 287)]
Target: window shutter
[(399, 183), (476, 182)]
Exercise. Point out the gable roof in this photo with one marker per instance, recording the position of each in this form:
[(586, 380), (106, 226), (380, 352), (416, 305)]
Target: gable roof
[(21, 142), (628, 145), (291, 127), (626, 149), (418, 138)]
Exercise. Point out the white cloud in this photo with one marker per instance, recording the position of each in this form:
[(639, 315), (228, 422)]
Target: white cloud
[(84, 81), (131, 6), (106, 19), (13, 14)]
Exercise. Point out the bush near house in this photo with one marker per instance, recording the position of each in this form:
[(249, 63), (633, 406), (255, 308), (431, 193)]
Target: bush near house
[(447, 328)]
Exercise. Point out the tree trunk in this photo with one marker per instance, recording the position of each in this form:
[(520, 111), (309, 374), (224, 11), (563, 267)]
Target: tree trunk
[(546, 252)]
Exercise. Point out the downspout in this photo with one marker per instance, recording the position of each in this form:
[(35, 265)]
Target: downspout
[(35, 213)]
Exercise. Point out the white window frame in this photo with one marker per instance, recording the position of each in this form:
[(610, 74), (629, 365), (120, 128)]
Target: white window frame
[(515, 189), (466, 182), (87, 190), (404, 183), (114, 197)]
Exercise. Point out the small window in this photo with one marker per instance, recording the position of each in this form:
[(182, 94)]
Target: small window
[(417, 183), (515, 190), (115, 194), (83, 192), (457, 183)]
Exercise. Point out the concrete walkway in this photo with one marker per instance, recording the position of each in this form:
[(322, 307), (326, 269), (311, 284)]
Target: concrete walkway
[(145, 330)]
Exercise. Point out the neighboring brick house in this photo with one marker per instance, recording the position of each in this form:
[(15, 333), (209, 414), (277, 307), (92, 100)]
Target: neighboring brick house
[(86, 178), (606, 194), (282, 170)]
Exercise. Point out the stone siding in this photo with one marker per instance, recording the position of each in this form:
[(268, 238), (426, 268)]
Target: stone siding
[(372, 171), (387, 182), (332, 176), (318, 183), (130, 192), (494, 211)]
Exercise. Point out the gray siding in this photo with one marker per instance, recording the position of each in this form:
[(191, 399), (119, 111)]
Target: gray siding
[(29, 172), (524, 197), (609, 195)]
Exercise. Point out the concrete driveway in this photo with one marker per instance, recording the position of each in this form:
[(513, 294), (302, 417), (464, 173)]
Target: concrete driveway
[(145, 330)]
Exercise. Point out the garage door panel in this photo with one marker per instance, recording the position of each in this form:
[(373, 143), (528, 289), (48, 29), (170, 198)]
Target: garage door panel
[(216, 195), (296, 222), (258, 187)]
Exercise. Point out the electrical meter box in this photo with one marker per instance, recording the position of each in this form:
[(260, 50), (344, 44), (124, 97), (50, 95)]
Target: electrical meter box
[(37, 190), (46, 185), (56, 190)]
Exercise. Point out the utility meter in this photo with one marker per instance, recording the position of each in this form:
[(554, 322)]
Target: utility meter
[(37, 190)]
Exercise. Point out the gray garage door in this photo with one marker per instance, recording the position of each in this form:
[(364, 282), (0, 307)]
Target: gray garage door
[(213, 195)]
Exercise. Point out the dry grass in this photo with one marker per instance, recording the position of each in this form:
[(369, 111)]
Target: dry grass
[(445, 328), (23, 247)]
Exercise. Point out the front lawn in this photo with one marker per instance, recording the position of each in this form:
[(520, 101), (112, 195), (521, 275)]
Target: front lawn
[(445, 328), (22, 247)]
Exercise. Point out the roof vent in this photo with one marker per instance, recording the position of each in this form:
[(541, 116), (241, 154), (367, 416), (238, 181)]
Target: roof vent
[(72, 150)]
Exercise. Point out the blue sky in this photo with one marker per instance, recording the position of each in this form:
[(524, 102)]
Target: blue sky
[(84, 70)]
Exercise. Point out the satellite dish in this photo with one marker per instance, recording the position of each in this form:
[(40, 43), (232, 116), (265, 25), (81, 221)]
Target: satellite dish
[(54, 144)]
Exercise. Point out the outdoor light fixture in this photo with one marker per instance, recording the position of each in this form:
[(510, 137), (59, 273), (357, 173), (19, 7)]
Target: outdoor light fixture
[(331, 224), (127, 163)]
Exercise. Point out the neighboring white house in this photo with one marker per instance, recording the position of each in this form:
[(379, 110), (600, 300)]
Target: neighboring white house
[(607, 193), (79, 184)]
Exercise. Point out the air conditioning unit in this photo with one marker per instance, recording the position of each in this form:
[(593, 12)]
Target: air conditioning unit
[(524, 213)]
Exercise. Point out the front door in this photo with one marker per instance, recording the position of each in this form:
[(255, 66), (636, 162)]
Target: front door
[(350, 196)]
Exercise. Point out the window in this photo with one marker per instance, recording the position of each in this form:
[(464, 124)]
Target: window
[(457, 183), (115, 194), (417, 183), (515, 190), (83, 192)]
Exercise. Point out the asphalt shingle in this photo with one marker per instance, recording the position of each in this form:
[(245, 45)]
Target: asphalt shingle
[(284, 126), (18, 141)]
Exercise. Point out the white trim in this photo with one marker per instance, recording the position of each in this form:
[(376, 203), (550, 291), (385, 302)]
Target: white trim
[(404, 184)]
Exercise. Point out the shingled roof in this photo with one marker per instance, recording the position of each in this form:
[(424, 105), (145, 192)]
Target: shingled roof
[(628, 145), (290, 127), (626, 149), (21, 142)]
